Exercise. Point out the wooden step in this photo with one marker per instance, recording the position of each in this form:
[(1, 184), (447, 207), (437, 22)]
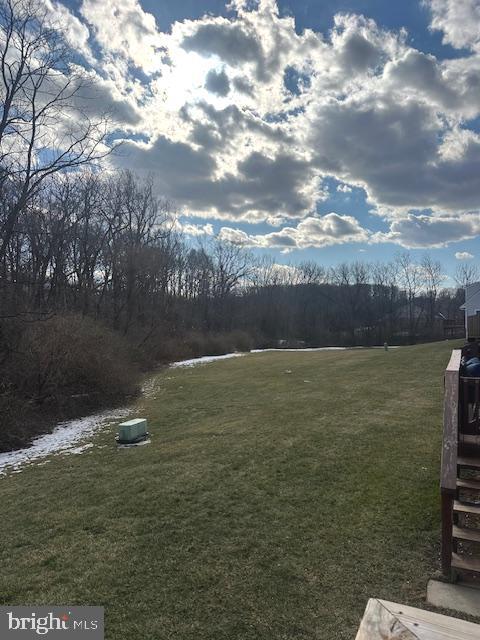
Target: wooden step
[(466, 438), (461, 533), (463, 507), (465, 563), (467, 461), (468, 483)]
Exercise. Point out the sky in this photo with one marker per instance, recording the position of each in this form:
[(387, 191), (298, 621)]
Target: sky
[(305, 129)]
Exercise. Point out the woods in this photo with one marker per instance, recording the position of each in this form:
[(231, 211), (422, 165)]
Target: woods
[(104, 246)]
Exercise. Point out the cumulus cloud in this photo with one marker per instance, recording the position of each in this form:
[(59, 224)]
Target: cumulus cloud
[(464, 255), (217, 82), (260, 187), (395, 151), (421, 72), (74, 30), (242, 118), (458, 20), (232, 43), (99, 97), (415, 231), (194, 230), (125, 29), (314, 231)]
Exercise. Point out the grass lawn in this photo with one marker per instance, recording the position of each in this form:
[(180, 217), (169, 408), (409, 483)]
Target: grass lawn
[(269, 505)]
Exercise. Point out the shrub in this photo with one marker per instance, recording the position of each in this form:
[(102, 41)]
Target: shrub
[(57, 368), (194, 344), (72, 354)]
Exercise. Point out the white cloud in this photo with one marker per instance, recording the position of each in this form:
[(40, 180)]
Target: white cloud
[(242, 118), (125, 29), (464, 255), (74, 31), (195, 230), (314, 231), (458, 19), (217, 82), (416, 231), (261, 186)]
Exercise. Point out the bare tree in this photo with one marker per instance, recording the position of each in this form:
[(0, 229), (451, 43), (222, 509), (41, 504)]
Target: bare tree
[(43, 129), (466, 273), (411, 280), (352, 281), (311, 272), (432, 274)]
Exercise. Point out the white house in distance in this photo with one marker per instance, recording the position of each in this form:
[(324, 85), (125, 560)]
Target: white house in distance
[(472, 310)]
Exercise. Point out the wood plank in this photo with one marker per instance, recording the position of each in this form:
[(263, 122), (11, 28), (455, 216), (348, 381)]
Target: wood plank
[(448, 473), (468, 483), (464, 507), (462, 533), (466, 438), (465, 563), (378, 623), (426, 625), (468, 461)]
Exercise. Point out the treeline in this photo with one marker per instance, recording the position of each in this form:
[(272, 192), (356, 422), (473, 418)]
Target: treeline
[(105, 247)]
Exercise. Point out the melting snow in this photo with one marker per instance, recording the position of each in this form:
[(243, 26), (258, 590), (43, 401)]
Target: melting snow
[(306, 349), (205, 359), (62, 439)]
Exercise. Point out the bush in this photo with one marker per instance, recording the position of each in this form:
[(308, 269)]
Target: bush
[(56, 368), (73, 355), (195, 344)]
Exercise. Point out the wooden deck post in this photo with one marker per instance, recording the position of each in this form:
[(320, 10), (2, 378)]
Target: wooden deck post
[(447, 538), (448, 473)]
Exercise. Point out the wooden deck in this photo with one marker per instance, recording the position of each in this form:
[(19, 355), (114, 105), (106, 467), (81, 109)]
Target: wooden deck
[(460, 472), (385, 620)]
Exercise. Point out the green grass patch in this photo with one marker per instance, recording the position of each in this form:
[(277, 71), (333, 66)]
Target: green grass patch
[(269, 505)]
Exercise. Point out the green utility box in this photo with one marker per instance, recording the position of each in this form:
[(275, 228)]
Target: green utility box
[(132, 431)]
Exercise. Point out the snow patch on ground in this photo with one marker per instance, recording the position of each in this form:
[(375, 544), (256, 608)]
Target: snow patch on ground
[(65, 438), (204, 360), (323, 349), (306, 349)]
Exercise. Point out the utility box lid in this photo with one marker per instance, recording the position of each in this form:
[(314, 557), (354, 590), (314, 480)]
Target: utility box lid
[(132, 430), (134, 423)]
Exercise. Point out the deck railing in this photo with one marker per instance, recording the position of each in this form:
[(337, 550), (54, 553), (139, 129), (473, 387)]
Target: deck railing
[(448, 473), (470, 406)]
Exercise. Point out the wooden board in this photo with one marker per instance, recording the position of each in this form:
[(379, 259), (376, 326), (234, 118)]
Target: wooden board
[(464, 507), (448, 477), (468, 483), (462, 533), (469, 461), (465, 563), (385, 620)]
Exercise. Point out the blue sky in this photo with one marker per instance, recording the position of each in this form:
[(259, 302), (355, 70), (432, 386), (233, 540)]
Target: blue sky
[(334, 130)]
